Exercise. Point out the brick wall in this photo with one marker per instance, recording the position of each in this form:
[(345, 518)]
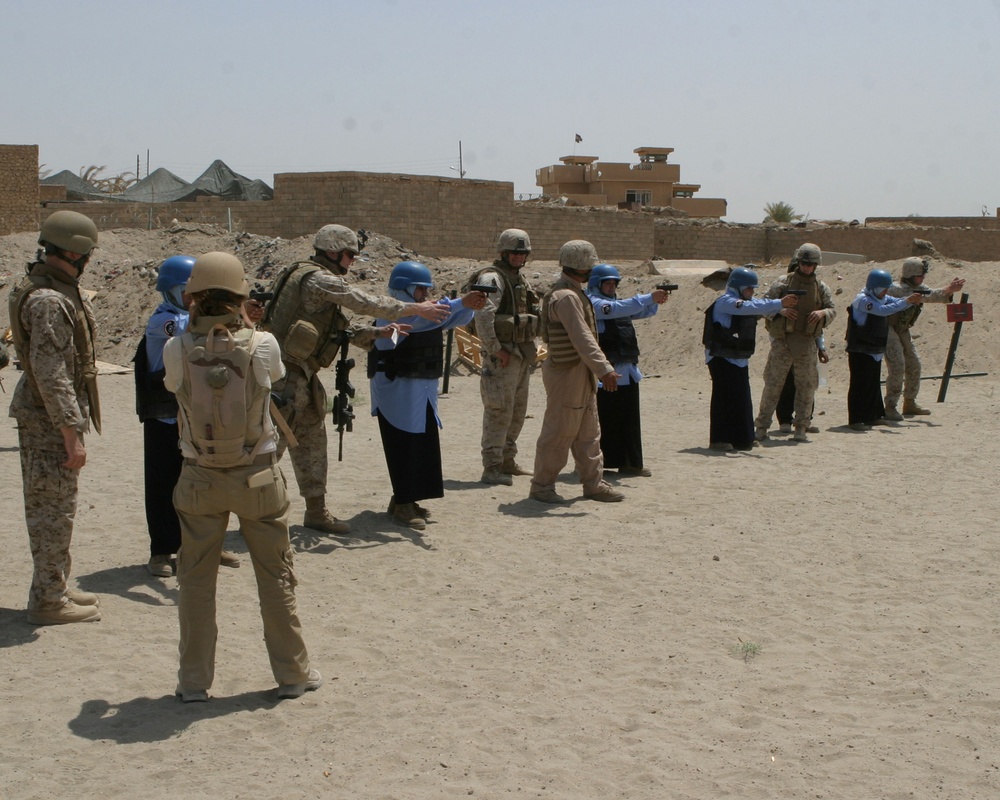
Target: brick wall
[(745, 244), (461, 218), (18, 188)]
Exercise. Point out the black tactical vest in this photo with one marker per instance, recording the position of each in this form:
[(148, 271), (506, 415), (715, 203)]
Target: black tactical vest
[(737, 341), (618, 341), (419, 355)]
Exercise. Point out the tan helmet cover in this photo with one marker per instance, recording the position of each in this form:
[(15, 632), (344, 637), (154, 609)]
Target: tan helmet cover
[(578, 254), (70, 231), (914, 266), (218, 271), (515, 240), (809, 253), (336, 238)]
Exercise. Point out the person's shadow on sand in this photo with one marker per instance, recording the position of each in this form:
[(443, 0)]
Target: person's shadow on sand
[(14, 628), (156, 719), (368, 529)]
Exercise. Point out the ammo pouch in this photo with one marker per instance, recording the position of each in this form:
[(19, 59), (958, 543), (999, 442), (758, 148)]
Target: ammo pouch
[(522, 328), (301, 340)]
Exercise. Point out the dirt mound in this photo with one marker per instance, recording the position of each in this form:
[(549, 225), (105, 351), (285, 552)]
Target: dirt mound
[(123, 274)]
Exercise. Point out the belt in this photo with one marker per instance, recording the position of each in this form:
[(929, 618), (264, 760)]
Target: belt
[(263, 460)]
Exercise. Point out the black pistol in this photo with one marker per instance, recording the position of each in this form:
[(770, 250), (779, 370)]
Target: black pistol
[(485, 288), (921, 290), (668, 287), (796, 292), (260, 294)]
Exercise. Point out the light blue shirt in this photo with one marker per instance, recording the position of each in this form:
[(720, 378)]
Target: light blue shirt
[(403, 401), (639, 307), (165, 322), (730, 304)]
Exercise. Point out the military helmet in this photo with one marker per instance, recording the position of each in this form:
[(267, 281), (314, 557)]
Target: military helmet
[(743, 277), (878, 279), (336, 238), (175, 271), (70, 231), (809, 253), (218, 271), (410, 273), (578, 254), (601, 273), (914, 266), (514, 240)]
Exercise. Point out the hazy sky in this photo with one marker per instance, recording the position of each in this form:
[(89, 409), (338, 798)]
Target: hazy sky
[(844, 109)]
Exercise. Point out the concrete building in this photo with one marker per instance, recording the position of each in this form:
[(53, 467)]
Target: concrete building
[(651, 182)]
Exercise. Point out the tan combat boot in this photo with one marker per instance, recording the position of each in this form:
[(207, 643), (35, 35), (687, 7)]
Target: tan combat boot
[(64, 614), (82, 598), (496, 476), (911, 407), (319, 519), (800, 433), (891, 412), (511, 467), (407, 514)]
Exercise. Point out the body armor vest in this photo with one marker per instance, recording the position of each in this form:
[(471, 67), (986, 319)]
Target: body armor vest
[(619, 341), (43, 276), (737, 341), (869, 338), (780, 325), (419, 355), (152, 399), (554, 334), (516, 319), (309, 340)]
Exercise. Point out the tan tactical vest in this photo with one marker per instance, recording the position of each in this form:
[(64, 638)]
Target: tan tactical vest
[(780, 326), (517, 318), (554, 334), (43, 276), (307, 340)]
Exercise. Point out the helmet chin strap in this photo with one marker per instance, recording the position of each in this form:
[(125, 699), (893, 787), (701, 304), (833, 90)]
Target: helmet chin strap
[(323, 259), (78, 264), (576, 273)]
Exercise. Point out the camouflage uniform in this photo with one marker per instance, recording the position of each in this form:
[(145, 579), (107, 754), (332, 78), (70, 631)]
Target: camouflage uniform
[(53, 329), (505, 389), (322, 295), (900, 354), (793, 346)]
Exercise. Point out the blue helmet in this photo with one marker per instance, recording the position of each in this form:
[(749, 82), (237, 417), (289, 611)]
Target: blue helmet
[(601, 273), (410, 273), (878, 279), (742, 277), (175, 271)]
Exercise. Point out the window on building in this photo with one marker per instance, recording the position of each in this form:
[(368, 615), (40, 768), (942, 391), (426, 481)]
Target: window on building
[(683, 193), (635, 196)]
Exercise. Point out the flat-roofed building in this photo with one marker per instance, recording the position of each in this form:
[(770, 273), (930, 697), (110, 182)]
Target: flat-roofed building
[(652, 181)]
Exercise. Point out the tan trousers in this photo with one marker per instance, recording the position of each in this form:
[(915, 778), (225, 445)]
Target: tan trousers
[(204, 499), (570, 425)]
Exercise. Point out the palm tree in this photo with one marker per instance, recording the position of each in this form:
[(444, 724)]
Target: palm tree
[(780, 212)]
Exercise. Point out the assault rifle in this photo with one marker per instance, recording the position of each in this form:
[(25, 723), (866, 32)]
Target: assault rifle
[(668, 287), (343, 410)]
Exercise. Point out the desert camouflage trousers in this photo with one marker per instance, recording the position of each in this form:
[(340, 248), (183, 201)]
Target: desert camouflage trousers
[(505, 401), (50, 492), (305, 413), (903, 367), (800, 356)]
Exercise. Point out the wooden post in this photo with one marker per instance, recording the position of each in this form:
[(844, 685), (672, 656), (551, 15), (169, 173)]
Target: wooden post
[(946, 377)]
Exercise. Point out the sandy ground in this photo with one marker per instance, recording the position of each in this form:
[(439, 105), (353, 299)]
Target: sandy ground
[(803, 621)]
